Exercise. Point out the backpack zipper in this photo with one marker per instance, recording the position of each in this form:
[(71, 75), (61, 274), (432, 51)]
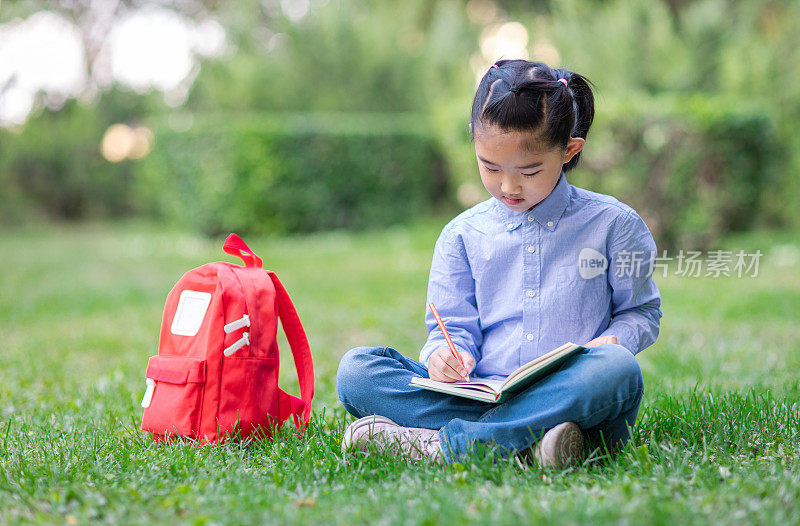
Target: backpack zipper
[(244, 321)]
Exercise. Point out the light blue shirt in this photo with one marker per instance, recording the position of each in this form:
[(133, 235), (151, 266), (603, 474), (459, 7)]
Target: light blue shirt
[(511, 286)]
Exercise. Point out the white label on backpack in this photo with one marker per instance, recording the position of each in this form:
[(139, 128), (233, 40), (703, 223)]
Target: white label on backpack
[(191, 310)]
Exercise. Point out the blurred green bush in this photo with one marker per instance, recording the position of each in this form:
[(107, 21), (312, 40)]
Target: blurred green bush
[(721, 68), (695, 118), (277, 173), (53, 169), (694, 166)]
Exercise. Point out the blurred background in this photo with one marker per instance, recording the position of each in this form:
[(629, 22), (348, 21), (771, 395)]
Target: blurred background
[(286, 116)]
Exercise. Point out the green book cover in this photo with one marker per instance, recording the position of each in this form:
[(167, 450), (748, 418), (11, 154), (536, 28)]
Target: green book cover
[(498, 391)]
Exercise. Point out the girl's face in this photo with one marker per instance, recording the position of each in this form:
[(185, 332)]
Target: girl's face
[(516, 169)]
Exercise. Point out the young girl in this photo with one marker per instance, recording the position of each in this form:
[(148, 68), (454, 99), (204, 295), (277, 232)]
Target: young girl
[(538, 264)]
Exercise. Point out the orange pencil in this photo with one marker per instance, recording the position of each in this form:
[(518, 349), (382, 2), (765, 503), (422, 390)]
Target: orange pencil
[(447, 337)]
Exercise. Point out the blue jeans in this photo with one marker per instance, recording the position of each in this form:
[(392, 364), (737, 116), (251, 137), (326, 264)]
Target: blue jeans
[(599, 389)]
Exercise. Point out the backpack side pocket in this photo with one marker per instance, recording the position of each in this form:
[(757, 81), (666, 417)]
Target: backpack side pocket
[(175, 401)]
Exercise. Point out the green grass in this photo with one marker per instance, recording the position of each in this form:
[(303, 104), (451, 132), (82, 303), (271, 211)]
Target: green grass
[(80, 310)]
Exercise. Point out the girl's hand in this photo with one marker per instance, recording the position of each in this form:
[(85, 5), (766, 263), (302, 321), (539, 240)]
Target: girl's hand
[(601, 340), (443, 366)]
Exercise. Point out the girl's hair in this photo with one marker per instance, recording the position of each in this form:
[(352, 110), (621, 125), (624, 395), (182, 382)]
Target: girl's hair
[(529, 96)]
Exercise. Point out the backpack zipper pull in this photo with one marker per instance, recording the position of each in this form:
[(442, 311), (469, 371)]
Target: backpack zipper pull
[(148, 394), (241, 342), (244, 321)]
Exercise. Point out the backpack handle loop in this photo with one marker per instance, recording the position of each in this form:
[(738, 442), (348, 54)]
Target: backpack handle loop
[(236, 247)]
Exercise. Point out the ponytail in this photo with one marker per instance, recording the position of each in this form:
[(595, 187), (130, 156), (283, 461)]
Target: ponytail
[(580, 90)]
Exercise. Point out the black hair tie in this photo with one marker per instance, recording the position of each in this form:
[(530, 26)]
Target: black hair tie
[(514, 89)]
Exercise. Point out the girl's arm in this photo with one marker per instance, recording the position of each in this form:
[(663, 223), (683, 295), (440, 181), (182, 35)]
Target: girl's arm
[(635, 299), (451, 288)]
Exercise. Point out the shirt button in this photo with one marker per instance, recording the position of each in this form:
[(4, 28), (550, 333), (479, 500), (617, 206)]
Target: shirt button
[(529, 336), (531, 249), (510, 226), (549, 223), (530, 218), (531, 293)]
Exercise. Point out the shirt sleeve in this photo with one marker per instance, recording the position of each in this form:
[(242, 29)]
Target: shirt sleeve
[(635, 299), (451, 288)]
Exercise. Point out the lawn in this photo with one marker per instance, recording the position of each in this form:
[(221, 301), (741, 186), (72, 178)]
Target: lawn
[(80, 310)]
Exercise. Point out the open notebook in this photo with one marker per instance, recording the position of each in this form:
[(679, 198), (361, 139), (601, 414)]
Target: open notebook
[(498, 391)]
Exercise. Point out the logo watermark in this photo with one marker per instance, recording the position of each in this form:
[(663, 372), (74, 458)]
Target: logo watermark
[(591, 263), (690, 263)]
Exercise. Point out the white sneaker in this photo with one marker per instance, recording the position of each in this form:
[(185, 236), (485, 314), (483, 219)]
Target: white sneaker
[(386, 435), (561, 446)]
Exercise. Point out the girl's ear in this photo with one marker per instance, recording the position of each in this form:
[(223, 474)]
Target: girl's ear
[(574, 145)]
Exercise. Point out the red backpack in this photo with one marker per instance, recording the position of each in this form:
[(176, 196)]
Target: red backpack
[(216, 372)]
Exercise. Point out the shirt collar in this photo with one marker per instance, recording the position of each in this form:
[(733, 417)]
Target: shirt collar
[(547, 213)]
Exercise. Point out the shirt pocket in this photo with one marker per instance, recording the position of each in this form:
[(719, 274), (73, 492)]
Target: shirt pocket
[(578, 298)]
